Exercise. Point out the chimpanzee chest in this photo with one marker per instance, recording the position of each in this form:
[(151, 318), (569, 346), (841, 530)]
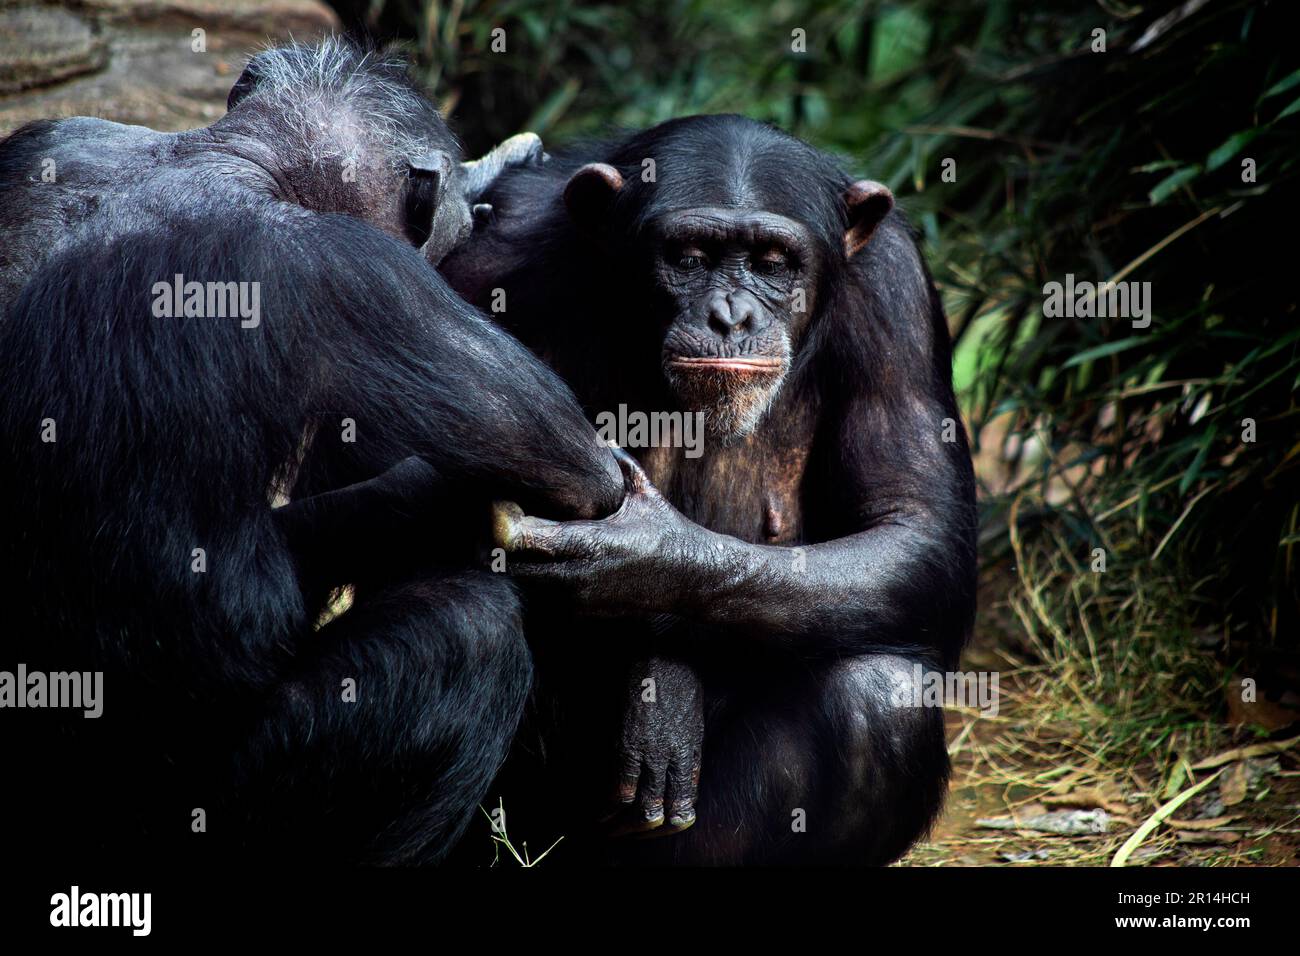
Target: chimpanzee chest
[(748, 490)]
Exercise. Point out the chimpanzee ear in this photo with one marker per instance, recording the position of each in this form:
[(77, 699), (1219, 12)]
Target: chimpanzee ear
[(244, 85), (431, 172), (868, 203), (589, 196), (428, 176), (436, 163)]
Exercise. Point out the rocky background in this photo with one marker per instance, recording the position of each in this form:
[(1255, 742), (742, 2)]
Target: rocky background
[(137, 61)]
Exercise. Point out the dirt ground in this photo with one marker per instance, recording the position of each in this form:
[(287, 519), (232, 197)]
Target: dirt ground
[(1248, 815)]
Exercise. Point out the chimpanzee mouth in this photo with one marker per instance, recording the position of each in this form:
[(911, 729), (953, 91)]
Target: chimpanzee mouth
[(733, 392), (743, 365)]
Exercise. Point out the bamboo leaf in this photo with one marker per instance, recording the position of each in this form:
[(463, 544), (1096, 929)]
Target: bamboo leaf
[(1231, 147), (1166, 187), (1281, 86), (1109, 348)]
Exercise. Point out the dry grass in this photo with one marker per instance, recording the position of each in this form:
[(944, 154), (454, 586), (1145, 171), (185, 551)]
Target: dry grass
[(1109, 701)]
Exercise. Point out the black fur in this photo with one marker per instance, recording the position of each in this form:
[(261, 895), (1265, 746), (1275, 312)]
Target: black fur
[(174, 433), (794, 670)]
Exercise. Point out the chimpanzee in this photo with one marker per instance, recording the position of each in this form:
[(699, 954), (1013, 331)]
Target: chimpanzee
[(191, 326), (760, 608)]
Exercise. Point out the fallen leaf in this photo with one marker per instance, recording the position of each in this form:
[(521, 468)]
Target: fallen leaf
[(1109, 797), (1241, 753), (1176, 780), (1259, 712), (1213, 824), (1235, 783)]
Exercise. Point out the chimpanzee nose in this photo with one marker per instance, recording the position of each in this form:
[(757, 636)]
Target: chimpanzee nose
[(728, 313)]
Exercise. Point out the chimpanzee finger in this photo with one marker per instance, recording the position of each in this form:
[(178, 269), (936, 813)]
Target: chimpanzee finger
[(635, 479), (645, 812), (624, 796), (517, 532), (505, 516), (650, 795), (629, 776), (683, 785)]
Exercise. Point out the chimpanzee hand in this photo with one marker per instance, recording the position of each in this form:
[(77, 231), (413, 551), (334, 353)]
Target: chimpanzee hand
[(633, 562), (478, 175), (659, 748)]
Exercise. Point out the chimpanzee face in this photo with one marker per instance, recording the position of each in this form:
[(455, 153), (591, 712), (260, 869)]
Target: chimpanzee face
[(741, 284), (737, 285)]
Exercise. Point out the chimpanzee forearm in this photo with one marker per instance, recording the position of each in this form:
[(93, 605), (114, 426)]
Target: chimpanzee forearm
[(893, 585), (906, 581)]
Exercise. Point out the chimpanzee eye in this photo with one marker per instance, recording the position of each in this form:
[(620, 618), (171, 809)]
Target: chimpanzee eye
[(690, 259), (771, 266)]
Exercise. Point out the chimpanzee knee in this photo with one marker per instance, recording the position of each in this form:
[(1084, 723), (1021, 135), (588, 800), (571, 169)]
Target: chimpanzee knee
[(883, 767), (383, 745)]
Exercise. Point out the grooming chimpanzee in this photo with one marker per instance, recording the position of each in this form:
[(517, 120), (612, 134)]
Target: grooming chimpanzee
[(191, 324), (781, 588)]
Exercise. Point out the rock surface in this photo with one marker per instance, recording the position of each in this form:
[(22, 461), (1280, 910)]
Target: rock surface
[(138, 61)]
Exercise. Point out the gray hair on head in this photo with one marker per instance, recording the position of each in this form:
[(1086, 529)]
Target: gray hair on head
[(340, 100)]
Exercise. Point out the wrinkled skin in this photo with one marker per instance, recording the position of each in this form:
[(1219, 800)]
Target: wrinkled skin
[(659, 748), (623, 564)]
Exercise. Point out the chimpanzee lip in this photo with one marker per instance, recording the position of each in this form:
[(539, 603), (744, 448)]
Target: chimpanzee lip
[(732, 363)]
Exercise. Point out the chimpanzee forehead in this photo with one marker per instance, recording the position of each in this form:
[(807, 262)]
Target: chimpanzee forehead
[(734, 163), (754, 227)]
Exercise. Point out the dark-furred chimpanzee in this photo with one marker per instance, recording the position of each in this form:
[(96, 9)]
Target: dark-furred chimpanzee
[(192, 324), (782, 586)]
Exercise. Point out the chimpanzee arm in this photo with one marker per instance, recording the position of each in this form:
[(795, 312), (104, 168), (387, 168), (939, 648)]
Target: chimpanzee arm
[(903, 580), (895, 566)]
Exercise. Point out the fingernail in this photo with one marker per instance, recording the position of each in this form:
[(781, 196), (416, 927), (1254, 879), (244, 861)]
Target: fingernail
[(506, 516), (681, 818)]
